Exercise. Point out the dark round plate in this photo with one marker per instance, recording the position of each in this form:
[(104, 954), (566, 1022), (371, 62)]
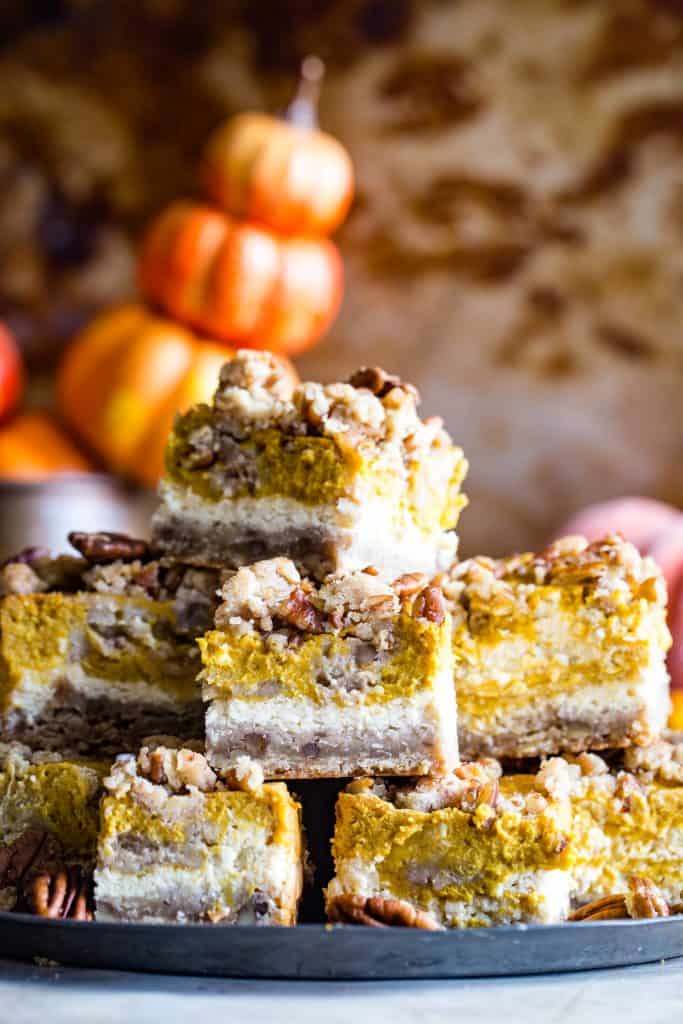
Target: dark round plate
[(341, 952)]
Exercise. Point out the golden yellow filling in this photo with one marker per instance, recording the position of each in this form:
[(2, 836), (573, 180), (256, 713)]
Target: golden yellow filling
[(560, 644), (271, 811), (62, 797), (37, 631), (471, 857), (619, 837), (240, 666), (319, 471), (312, 470)]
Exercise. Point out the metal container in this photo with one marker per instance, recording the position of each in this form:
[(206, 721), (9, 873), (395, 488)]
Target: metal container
[(341, 952), (43, 512)]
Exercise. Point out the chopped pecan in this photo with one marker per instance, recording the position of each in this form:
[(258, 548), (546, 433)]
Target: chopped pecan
[(379, 912), (409, 584), (156, 772), (592, 764), (173, 577), (61, 892), (377, 380), (193, 458), (299, 612), (430, 605), (489, 794), (108, 547), (644, 899), (626, 789)]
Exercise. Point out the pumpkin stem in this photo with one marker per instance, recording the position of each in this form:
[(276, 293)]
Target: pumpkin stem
[(303, 110)]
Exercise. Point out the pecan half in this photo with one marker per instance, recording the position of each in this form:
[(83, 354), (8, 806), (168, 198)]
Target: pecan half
[(644, 899), (31, 850), (60, 892), (377, 380), (379, 912), (108, 547), (430, 605), (604, 909)]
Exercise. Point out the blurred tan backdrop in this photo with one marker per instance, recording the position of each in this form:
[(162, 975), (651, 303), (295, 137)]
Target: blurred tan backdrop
[(516, 247)]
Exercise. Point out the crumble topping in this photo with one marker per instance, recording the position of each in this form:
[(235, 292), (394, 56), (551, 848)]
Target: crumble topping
[(19, 578), (191, 590), (17, 758), (271, 595), (475, 788), (166, 767), (255, 393), (610, 571), (662, 761), (34, 570), (623, 780)]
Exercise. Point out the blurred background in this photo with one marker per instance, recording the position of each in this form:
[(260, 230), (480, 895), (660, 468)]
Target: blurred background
[(514, 246)]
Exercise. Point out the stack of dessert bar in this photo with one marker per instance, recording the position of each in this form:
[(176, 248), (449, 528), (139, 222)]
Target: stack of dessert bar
[(300, 614)]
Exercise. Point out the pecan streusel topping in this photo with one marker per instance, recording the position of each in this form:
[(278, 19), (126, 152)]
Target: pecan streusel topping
[(271, 595)]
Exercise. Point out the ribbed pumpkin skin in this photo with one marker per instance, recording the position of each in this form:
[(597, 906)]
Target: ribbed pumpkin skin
[(293, 180), (239, 282), (122, 380)]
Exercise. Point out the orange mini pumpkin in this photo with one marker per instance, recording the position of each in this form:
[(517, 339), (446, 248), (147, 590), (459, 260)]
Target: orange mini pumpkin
[(11, 373), (33, 446), (122, 380), (281, 172), (238, 281)]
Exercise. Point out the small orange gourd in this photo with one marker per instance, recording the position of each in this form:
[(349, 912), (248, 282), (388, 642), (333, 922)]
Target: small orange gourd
[(281, 172), (124, 377), (239, 282), (33, 446)]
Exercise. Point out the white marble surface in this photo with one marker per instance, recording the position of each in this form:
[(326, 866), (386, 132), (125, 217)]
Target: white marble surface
[(651, 994)]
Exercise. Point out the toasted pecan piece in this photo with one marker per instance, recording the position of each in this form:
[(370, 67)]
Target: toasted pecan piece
[(301, 613), (644, 899), (379, 912), (105, 547), (377, 380), (430, 605)]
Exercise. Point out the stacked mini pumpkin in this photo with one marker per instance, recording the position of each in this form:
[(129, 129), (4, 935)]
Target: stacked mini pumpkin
[(255, 269)]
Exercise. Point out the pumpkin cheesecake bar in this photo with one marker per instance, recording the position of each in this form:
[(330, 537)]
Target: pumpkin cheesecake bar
[(561, 651), (333, 476), (97, 652), (470, 849), (177, 843), (628, 821), (343, 678), (49, 813)]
